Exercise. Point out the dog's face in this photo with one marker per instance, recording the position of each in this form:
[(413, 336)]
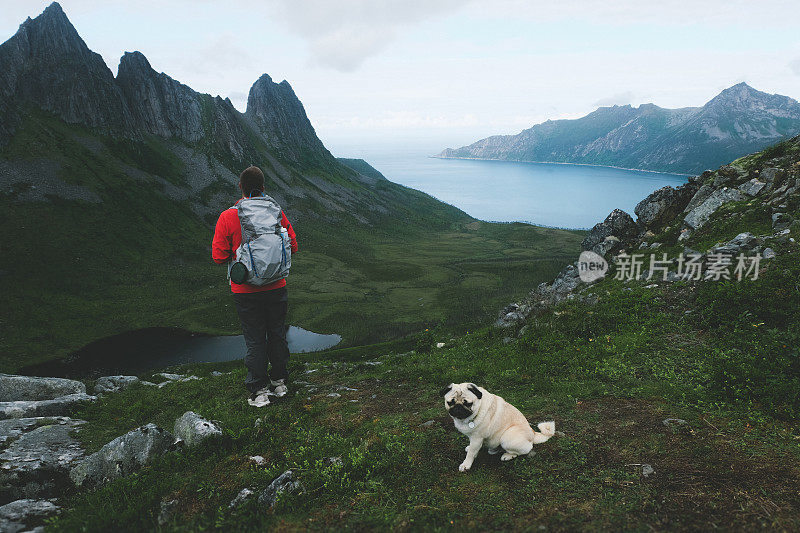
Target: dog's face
[(461, 399)]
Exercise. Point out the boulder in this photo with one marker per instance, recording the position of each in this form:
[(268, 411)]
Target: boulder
[(742, 243), (285, 483), (61, 406), (122, 456), (773, 177), (618, 223), (37, 463), (15, 388), (193, 429), (108, 384), (25, 514), (699, 197), (661, 206), (769, 253), (698, 216), (752, 187), (781, 221), (244, 495)]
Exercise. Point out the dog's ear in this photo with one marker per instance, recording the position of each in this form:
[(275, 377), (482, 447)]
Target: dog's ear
[(474, 390), (445, 390)]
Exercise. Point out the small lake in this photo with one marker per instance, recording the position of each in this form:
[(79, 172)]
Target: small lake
[(549, 194), (146, 350)]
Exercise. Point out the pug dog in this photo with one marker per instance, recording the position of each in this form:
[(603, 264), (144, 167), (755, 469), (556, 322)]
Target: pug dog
[(488, 420)]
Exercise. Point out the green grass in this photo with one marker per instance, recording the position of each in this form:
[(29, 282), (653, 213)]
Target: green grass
[(608, 374), (74, 272)]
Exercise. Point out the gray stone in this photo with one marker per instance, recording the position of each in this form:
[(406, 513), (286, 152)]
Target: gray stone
[(742, 243), (107, 384), (166, 512), (25, 514), (618, 223), (773, 177), (674, 422), (122, 456), (428, 424), (661, 206), (698, 216), (647, 470), (699, 197), (63, 405), (769, 253), (781, 221), (752, 187), (243, 496), (193, 429), (37, 463), (15, 388), (283, 484)]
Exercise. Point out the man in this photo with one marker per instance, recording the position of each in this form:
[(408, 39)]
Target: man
[(262, 309)]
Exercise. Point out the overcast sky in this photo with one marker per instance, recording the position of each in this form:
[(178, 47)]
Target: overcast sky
[(439, 73)]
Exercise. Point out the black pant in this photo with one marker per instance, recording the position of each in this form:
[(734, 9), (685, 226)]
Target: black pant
[(263, 317)]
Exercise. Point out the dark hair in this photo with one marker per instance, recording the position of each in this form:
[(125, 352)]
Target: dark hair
[(251, 180)]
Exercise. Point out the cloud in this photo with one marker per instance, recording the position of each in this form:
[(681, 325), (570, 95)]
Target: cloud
[(343, 34), (617, 99), (795, 66)]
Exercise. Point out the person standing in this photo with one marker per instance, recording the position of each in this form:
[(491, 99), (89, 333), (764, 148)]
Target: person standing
[(261, 308)]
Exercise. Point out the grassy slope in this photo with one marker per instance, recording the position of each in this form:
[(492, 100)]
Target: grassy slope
[(64, 285), (608, 375), (721, 355)]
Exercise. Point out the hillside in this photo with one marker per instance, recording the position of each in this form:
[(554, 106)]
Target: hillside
[(738, 121), (110, 187), (678, 400)]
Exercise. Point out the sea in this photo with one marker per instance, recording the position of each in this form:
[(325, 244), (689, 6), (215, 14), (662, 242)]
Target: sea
[(547, 194)]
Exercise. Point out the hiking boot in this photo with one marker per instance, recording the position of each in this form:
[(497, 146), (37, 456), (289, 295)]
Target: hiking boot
[(259, 398), (279, 387)]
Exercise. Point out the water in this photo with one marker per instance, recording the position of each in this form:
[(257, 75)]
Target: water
[(145, 350), (560, 195)]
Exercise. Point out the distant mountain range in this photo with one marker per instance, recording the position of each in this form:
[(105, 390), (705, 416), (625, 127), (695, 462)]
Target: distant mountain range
[(738, 121)]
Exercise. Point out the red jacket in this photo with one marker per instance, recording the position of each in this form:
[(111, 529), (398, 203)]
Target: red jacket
[(228, 237)]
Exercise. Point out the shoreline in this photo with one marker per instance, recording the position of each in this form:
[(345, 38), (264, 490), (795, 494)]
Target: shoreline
[(561, 163)]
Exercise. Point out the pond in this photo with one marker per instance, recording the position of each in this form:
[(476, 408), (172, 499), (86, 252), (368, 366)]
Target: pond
[(145, 350)]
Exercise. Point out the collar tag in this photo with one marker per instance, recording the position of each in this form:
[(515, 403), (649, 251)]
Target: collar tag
[(471, 424)]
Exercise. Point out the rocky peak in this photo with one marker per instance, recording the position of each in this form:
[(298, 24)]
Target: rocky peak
[(48, 64), (279, 115)]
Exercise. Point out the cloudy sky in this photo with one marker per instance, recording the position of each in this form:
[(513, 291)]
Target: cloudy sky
[(438, 73)]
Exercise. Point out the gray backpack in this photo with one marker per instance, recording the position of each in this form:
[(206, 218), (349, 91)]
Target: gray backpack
[(265, 254)]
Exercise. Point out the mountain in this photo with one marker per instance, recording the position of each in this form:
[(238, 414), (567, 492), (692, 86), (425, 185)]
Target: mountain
[(110, 188), (738, 121)]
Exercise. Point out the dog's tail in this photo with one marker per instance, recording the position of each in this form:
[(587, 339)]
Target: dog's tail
[(546, 430)]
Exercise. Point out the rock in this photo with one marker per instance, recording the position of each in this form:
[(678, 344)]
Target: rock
[(698, 216), (193, 429), (440, 345), (122, 456), (742, 243), (25, 514), (243, 496), (618, 223), (37, 463), (609, 245), (285, 483), (108, 384), (335, 460), (661, 206), (25, 388), (699, 197), (647, 470), (217, 373), (258, 460), (781, 221), (773, 177), (752, 187), (334, 395), (171, 377), (11, 428), (522, 331), (428, 424), (61, 406), (769, 253), (674, 422), (166, 513)]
